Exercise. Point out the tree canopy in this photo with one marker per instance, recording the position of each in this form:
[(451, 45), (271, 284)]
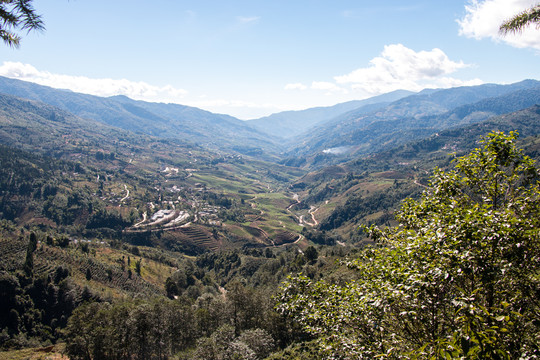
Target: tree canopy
[(459, 278), (17, 15)]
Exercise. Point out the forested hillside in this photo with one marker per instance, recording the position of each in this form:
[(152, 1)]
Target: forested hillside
[(369, 189)]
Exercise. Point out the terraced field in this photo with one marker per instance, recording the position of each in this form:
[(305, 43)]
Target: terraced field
[(12, 253), (117, 278), (285, 237), (110, 276), (200, 236)]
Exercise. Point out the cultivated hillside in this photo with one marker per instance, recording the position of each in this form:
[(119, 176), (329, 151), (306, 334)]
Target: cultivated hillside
[(71, 175)]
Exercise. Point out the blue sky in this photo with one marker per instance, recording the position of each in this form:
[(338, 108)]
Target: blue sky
[(252, 58)]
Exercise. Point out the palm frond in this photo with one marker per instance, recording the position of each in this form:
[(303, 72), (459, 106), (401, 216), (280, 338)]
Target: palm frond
[(17, 15), (10, 38), (521, 20)]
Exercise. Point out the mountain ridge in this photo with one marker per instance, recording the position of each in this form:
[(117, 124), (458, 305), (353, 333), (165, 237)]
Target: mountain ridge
[(287, 124), (214, 131), (372, 126), (419, 115)]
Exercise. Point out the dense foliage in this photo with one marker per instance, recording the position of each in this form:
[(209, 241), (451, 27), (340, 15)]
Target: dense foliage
[(201, 320), (457, 279), (33, 308), (211, 328)]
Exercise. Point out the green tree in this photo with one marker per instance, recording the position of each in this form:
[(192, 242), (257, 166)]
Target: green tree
[(153, 329), (171, 288), (457, 279), (138, 267), (17, 15), (83, 341), (29, 261), (311, 254), (521, 20), (259, 341)]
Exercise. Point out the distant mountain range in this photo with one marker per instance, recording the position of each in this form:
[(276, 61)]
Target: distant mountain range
[(308, 138), (411, 118), (214, 131), (288, 124), (358, 165)]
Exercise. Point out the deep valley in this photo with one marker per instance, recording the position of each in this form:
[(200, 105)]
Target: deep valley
[(126, 205)]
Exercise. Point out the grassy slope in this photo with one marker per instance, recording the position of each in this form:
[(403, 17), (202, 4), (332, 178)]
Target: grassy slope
[(40, 353)]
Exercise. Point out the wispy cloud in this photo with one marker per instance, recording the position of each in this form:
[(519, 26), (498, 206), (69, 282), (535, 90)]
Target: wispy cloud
[(327, 86), (100, 87), (349, 14), (483, 18), (248, 19), (295, 86), (375, 9)]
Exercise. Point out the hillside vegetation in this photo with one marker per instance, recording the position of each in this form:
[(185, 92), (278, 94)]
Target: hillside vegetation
[(369, 189), (457, 279), (118, 241)]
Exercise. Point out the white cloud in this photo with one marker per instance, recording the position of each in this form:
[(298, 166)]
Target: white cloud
[(399, 67), (448, 82), (100, 87), (295, 86), (483, 18)]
